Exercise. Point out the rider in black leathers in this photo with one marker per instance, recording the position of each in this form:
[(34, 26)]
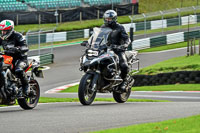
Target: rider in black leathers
[(15, 45), (119, 40)]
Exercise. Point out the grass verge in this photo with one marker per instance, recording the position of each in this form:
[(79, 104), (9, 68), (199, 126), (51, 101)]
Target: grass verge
[(182, 63), (183, 125), (164, 47), (70, 89), (159, 5), (49, 99), (53, 100), (176, 87)]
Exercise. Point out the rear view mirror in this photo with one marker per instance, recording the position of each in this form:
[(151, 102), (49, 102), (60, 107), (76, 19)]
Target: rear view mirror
[(84, 43)]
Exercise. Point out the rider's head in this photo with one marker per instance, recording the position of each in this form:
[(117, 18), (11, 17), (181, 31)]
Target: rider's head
[(6, 28), (110, 18)]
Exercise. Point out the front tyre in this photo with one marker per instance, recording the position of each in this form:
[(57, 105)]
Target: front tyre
[(31, 101), (121, 97), (85, 94)]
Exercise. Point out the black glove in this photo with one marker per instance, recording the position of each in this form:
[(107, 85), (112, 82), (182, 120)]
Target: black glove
[(12, 50), (15, 49), (118, 47)]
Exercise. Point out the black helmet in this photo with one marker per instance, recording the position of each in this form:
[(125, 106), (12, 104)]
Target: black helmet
[(110, 17)]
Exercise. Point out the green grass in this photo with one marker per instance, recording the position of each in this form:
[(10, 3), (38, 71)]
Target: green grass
[(52, 100), (181, 125), (71, 89), (182, 63), (176, 87), (146, 6), (165, 47)]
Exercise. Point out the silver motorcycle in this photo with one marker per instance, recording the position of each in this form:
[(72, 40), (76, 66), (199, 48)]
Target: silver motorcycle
[(101, 67)]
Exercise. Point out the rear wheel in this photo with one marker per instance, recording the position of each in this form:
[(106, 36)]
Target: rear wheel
[(121, 97), (86, 96), (31, 101)]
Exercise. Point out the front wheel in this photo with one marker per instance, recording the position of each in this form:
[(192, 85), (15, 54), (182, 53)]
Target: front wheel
[(85, 94), (31, 101), (121, 97)]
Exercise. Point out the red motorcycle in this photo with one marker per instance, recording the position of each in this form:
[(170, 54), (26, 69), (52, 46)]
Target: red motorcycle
[(11, 87)]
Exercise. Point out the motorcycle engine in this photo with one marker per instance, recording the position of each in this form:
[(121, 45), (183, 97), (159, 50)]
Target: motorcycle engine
[(108, 69), (12, 88)]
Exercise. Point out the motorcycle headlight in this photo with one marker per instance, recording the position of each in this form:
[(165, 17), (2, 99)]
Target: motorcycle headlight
[(92, 53)]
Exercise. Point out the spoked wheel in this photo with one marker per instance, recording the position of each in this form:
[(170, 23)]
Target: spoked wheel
[(86, 96), (121, 97), (31, 101)]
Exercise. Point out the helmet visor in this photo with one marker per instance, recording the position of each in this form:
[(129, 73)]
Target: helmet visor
[(108, 19), (6, 33)]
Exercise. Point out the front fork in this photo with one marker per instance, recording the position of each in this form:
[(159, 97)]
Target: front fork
[(94, 80)]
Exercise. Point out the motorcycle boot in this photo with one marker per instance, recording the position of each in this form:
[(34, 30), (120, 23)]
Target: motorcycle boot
[(25, 85), (24, 80), (2, 84), (123, 86), (124, 71), (19, 71)]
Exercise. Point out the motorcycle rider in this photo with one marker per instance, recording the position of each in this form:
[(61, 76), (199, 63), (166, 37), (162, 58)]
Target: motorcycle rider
[(14, 45), (119, 40)]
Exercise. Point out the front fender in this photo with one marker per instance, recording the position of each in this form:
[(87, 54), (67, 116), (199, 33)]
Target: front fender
[(95, 76)]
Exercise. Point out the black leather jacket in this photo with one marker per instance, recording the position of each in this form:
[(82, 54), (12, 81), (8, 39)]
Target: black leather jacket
[(16, 40), (118, 36)]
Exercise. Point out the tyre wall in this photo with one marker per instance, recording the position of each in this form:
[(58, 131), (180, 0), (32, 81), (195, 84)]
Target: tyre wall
[(182, 77)]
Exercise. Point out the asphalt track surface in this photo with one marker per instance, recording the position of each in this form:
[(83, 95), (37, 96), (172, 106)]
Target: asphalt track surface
[(73, 117)]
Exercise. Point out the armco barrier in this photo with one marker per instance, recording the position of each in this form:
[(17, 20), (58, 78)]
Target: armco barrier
[(75, 34), (43, 59), (182, 77), (157, 41), (46, 59), (192, 34), (164, 40)]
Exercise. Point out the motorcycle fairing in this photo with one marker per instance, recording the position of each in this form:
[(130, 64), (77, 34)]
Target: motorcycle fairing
[(8, 60), (99, 37)]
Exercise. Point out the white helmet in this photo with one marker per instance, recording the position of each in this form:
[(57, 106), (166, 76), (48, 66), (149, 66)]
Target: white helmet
[(7, 25)]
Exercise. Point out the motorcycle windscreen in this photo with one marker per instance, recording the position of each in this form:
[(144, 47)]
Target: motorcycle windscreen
[(99, 37)]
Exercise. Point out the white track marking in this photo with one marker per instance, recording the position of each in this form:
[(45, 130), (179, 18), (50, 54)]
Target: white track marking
[(57, 89)]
